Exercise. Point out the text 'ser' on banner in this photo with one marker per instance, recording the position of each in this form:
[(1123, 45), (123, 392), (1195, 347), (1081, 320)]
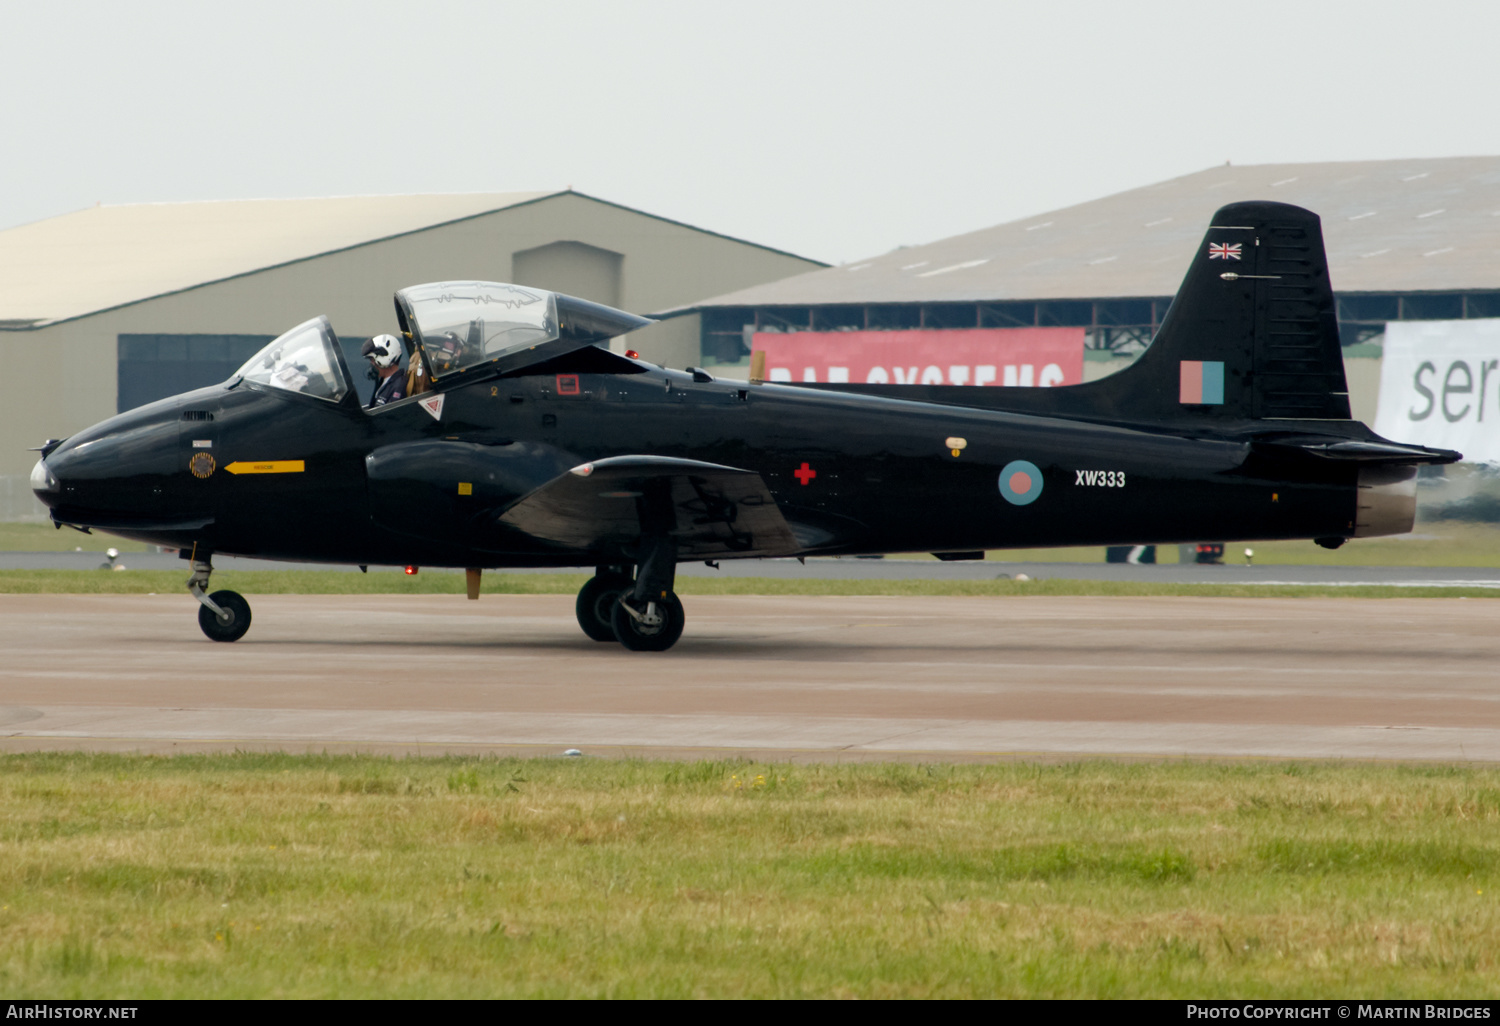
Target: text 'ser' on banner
[(1440, 386), (1039, 357)]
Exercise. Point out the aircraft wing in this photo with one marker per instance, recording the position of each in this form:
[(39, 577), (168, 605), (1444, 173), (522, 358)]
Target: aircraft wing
[(710, 509)]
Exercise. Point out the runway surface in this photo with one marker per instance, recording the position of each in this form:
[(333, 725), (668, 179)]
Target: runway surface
[(775, 677)]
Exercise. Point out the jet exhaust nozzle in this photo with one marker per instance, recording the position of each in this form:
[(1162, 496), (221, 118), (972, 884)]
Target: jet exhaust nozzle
[(1385, 501)]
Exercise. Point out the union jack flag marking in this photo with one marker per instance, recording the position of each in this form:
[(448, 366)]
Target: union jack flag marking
[(1224, 250)]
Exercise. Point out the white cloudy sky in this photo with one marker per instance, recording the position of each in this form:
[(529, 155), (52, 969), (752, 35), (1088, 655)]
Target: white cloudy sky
[(835, 130)]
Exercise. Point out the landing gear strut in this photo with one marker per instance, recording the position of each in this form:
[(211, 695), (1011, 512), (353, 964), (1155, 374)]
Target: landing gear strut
[(225, 615), (649, 617)]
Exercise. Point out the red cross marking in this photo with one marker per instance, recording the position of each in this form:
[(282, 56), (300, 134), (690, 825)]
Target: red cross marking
[(804, 473)]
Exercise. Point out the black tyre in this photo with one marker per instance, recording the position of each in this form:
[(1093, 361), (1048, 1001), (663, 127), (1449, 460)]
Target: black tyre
[(637, 637), (234, 627), (596, 605)]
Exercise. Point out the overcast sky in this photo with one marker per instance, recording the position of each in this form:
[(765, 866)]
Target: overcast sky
[(833, 130)]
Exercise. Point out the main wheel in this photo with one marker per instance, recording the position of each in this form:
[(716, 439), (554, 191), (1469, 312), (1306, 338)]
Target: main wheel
[(237, 623), (596, 604), (638, 637)]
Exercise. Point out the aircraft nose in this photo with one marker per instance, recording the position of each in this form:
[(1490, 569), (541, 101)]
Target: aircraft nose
[(44, 483), (118, 469)]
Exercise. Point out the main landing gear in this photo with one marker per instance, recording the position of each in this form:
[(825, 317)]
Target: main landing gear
[(224, 615), (653, 628), (597, 601), (644, 615)]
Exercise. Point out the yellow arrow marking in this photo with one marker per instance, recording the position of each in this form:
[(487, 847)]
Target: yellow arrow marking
[(273, 467)]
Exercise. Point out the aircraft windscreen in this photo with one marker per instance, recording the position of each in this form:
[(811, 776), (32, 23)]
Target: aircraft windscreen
[(303, 361), (464, 323)]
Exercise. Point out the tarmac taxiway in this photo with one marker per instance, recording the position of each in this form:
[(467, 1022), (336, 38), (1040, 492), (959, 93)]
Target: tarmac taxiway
[(764, 676)]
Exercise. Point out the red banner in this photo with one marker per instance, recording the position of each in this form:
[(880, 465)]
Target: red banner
[(961, 356)]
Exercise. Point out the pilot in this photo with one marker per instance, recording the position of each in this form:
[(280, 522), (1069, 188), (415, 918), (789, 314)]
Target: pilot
[(444, 352), (384, 354)]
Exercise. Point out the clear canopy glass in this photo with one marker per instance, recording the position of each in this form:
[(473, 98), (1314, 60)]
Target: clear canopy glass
[(465, 323), (303, 360)]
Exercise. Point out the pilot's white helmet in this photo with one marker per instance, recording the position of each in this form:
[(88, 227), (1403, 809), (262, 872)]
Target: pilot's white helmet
[(382, 350)]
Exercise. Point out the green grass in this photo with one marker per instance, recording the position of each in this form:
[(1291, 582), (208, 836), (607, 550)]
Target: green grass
[(431, 582), (279, 876), (281, 582), (43, 537), (1443, 543), (1446, 543)]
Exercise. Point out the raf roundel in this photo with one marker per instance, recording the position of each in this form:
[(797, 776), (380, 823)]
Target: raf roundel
[(1020, 482), (201, 465)]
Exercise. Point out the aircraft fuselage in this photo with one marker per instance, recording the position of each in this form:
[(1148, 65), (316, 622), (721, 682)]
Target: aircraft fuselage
[(296, 478)]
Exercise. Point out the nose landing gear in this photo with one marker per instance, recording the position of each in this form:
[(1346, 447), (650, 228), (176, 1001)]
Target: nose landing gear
[(224, 615)]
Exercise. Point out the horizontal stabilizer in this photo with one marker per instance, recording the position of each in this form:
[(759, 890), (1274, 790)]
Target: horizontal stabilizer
[(609, 504), (1366, 451)]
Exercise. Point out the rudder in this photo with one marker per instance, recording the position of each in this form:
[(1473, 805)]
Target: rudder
[(1252, 333)]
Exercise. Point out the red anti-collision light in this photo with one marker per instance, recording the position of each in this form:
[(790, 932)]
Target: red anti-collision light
[(632, 354), (411, 570)]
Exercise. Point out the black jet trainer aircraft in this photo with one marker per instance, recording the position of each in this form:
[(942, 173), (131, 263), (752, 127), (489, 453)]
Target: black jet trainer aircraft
[(536, 446)]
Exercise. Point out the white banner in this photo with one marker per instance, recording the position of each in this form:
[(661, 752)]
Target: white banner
[(1440, 386)]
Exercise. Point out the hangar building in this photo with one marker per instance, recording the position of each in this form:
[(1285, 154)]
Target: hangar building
[(111, 307), (1407, 240)]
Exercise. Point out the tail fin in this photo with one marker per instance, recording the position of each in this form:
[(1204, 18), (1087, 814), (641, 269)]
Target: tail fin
[(1252, 333)]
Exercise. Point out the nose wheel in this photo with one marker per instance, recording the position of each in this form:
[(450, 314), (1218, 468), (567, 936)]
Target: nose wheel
[(224, 615), (231, 623)]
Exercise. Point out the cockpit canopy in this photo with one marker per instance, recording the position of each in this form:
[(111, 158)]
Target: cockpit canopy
[(459, 326), (304, 360), (466, 325)]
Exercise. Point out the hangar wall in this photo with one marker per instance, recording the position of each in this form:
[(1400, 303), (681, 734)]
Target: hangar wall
[(59, 379), (575, 268)]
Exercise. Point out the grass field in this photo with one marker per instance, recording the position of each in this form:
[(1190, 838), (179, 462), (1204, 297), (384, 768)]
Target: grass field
[(266, 875), (1445, 543), (43, 537), (323, 582)]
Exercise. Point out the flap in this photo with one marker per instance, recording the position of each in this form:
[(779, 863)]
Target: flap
[(712, 510)]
